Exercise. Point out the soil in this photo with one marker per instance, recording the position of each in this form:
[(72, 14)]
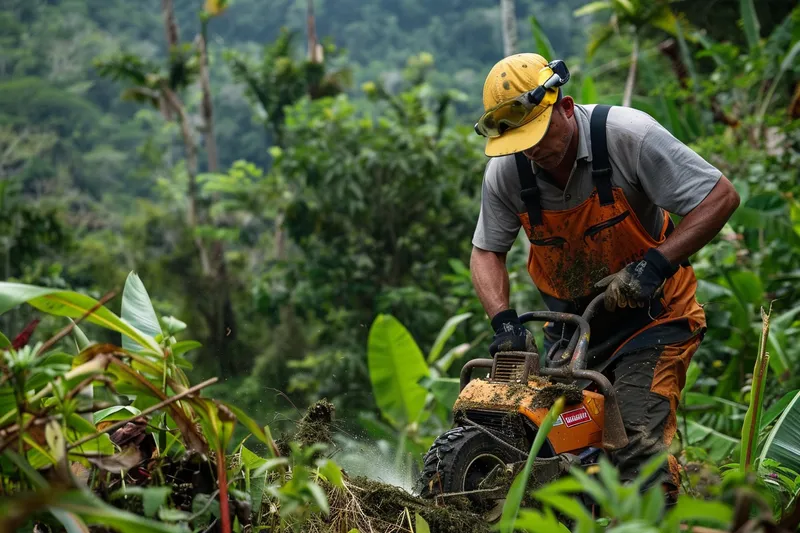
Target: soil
[(372, 506), (384, 509), (548, 395), (518, 393), (314, 427)]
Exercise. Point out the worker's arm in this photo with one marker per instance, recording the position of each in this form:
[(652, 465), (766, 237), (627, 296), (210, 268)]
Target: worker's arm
[(639, 282), (490, 279), (702, 223)]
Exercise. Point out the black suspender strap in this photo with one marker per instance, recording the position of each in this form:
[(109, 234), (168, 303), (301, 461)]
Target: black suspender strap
[(601, 167), (530, 191)]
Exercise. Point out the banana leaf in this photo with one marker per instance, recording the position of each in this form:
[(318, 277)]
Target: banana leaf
[(783, 442)]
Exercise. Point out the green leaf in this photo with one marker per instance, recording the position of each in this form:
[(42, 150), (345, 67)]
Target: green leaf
[(181, 347), (79, 427), (646, 471), (698, 398), (446, 332), (173, 515), (598, 39), (719, 445), (692, 373), (256, 472), (592, 7), (588, 91), (445, 390), (250, 460), (4, 342), (152, 497), (653, 504), (71, 523), (777, 408), (70, 304), (319, 497), (634, 526), (689, 509), (783, 442), (422, 525), (95, 512), (666, 21), (751, 25), (752, 418), (172, 325), (775, 222), (564, 485), (138, 311), (530, 520), (543, 46), (260, 433), (518, 487), (747, 286), (396, 366), (625, 5), (567, 505), (81, 340), (34, 477), (116, 412), (332, 473)]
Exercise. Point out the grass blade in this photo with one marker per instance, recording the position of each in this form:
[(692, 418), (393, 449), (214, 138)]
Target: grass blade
[(752, 420), (751, 26), (520, 484)]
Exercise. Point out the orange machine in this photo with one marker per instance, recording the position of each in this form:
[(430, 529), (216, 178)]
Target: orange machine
[(497, 417)]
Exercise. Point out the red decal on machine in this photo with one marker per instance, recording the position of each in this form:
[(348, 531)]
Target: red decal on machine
[(576, 417)]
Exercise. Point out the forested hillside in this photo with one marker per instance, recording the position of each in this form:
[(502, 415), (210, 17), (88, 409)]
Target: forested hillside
[(279, 199)]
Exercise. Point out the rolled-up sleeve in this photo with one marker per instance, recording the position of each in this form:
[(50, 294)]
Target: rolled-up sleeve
[(498, 224), (673, 175)]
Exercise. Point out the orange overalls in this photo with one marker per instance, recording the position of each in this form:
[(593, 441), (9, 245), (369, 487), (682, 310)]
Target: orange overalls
[(573, 249)]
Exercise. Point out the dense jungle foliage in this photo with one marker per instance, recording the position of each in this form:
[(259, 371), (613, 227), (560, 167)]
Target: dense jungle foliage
[(297, 192)]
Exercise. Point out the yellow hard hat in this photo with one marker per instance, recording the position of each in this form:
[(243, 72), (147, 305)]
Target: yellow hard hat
[(508, 80)]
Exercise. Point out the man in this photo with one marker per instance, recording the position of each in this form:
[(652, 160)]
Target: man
[(593, 187)]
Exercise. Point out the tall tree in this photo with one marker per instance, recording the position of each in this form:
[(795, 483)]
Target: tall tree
[(187, 65), (631, 19), (509, 20)]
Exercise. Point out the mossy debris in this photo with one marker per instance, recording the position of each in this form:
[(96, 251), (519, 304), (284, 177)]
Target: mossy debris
[(315, 426)]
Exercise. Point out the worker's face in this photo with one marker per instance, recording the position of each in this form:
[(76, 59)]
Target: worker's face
[(550, 151)]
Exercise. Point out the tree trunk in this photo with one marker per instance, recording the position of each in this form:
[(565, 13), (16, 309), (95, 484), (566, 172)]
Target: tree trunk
[(631, 81), (314, 48), (174, 102), (223, 322), (509, 21), (170, 25), (207, 107), (214, 282)]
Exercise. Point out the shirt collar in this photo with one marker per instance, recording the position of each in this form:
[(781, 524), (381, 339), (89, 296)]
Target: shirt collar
[(584, 138), (584, 143)]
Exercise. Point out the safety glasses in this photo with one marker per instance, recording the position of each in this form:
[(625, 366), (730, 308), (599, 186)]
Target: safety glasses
[(527, 106)]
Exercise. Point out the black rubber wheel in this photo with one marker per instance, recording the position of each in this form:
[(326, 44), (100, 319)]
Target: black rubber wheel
[(459, 460)]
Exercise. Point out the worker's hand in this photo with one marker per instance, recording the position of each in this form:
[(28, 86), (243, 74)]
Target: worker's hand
[(510, 335), (638, 283)]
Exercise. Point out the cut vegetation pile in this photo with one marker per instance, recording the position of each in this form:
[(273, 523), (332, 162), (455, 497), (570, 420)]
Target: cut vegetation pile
[(371, 506)]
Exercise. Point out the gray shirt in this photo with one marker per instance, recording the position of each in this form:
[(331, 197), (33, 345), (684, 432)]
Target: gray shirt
[(654, 169)]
